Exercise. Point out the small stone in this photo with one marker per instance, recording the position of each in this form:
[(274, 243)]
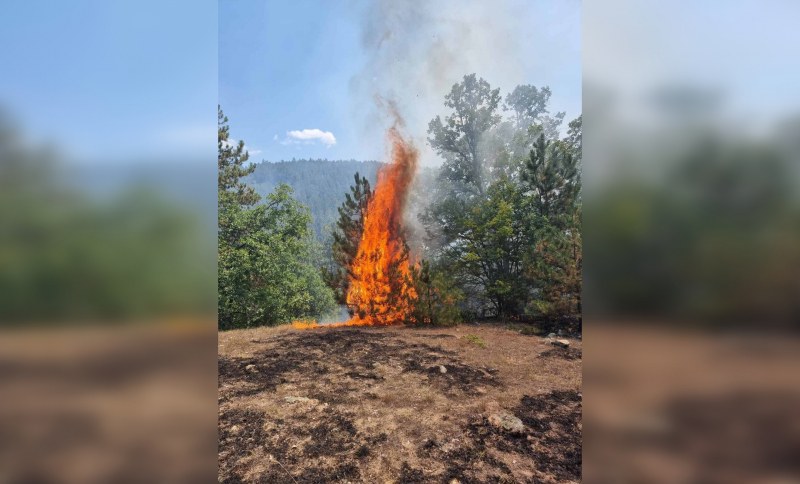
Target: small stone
[(562, 343), (235, 429), (251, 368), (442, 369), (291, 399), (551, 335), (491, 407), (455, 481), (507, 421)]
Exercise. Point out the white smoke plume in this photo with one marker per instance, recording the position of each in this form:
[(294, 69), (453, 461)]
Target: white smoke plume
[(417, 50)]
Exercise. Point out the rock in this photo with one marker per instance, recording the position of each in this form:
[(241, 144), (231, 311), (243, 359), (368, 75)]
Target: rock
[(507, 421), (251, 368), (491, 407), (551, 335), (442, 369), (561, 343), (291, 399)]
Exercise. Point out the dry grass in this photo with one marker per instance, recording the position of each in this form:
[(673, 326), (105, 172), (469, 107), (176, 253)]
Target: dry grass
[(395, 405)]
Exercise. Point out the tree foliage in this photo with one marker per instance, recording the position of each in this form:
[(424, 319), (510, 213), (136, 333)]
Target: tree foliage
[(347, 235), (551, 174), (318, 184), (504, 216), (267, 269), (438, 296), (457, 138), (528, 103)]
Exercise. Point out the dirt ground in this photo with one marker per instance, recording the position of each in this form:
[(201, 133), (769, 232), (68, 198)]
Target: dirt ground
[(400, 405), (670, 404), (104, 404)]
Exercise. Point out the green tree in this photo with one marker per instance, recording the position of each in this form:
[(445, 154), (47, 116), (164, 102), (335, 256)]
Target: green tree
[(528, 103), (552, 179), (574, 139), (531, 113), (486, 240), (457, 138), (438, 296), (71, 256), (266, 271), (231, 169), (504, 216), (347, 236), (552, 176)]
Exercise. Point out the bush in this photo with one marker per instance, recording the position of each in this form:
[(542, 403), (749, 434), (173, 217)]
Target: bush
[(438, 297), (476, 340)]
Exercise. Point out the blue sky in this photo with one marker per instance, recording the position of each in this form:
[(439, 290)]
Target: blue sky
[(126, 81), (286, 66), (112, 81), (291, 66)]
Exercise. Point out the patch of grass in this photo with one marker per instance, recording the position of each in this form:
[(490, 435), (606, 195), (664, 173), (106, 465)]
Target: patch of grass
[(525, 329), (476, 340), (531, 331)]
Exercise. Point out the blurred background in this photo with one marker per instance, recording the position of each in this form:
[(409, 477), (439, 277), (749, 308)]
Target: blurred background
[(108, 241), (692, 241), (691, 229)]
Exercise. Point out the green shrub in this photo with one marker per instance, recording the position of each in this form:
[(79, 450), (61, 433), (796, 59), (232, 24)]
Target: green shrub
[(438, 297), (476, 340)]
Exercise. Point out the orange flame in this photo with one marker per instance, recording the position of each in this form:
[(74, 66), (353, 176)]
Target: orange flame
[(380, 290)]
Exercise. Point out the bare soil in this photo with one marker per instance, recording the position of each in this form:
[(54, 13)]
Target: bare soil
[(402, 405)]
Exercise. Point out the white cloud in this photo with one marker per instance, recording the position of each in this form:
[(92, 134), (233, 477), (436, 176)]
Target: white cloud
[(309, 136)]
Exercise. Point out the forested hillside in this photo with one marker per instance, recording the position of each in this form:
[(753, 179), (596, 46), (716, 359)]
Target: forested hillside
[(318, 184)]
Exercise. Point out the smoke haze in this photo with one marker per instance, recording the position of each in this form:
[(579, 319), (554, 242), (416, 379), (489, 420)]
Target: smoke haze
[(416, 51)]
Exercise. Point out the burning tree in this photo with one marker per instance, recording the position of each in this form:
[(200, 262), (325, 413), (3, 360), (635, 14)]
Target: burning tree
[(380, 290), (347, 236)]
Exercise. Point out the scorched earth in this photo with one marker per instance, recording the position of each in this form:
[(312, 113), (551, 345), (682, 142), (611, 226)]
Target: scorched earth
[(397, 404)]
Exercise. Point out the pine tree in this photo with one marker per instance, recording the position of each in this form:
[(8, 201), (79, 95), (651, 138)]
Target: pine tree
[(552, 175), (347, 235), (554, 266), (231, 159), (266, 254)]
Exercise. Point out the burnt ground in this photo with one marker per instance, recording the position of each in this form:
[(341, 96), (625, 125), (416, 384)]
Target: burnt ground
[(398, 405)]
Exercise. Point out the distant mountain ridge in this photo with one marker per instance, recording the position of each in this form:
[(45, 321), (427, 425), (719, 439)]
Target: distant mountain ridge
[(319, 184)]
